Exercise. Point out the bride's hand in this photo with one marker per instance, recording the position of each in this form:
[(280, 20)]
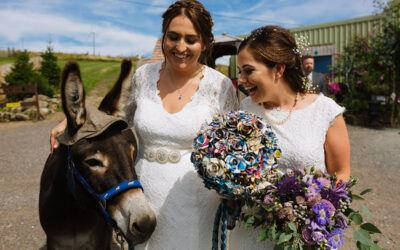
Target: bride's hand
[(54, 132)]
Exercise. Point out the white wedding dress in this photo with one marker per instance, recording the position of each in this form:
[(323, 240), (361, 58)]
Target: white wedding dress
[(184, 208), (301, 140)]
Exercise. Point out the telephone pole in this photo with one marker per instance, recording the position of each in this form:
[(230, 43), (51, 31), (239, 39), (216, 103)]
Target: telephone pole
[(94, 41)]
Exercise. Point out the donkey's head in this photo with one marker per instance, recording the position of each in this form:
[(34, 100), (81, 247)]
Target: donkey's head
[(103, 149)]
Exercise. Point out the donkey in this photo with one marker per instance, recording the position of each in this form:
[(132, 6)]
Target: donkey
[(95, 160)]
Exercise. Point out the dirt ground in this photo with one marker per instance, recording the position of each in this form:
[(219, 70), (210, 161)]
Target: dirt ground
[(24, 148)]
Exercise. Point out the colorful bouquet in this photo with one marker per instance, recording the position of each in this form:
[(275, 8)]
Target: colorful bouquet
[(235, 154), (307, 209)]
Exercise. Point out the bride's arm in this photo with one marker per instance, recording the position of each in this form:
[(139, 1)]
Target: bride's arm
[(337, 149)]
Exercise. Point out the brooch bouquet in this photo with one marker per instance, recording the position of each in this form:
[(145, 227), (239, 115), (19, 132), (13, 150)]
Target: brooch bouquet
[(235, 154), (308, 209)]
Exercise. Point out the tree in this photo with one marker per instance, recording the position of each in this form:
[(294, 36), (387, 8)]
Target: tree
[(370, 67), (49, 68), (23, 73)]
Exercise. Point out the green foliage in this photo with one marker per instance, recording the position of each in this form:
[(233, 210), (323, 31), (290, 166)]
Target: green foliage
[(49, 67), (23, 73), (95, 71), (370, 66)]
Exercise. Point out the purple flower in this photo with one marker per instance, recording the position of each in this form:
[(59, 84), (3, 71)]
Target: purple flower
[(316, 185), (341, 220), (268, 199), (318, 237), (321, 211), (330, 205), (335, 238), (359, 82), (333, 195), (354, 71), (289, 186), (325, 182), (306, 234)]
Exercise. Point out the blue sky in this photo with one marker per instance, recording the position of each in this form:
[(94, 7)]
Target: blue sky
[(131, 27)]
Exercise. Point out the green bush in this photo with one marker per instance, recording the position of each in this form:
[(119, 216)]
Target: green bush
[(370, 67)]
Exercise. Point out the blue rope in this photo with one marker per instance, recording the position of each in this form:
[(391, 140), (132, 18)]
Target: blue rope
[(220, 216)]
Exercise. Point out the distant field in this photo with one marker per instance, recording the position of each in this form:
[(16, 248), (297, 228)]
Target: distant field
[(93, 69)]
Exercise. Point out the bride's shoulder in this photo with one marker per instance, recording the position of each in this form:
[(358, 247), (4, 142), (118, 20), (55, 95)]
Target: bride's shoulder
[(214, 76), (149, 68)]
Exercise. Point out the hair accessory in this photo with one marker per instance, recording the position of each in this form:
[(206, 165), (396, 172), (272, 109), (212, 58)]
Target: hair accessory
[(302, 44)]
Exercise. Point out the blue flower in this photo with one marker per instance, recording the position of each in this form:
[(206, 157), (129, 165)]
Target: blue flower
[(322, 213), (234, 164), (335, 238), (317, 185)]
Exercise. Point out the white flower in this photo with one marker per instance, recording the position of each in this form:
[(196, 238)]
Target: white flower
[(260, 187), (238, 191), (215, 167)]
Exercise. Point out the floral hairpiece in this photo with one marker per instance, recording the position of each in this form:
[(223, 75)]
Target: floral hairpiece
[(302, 44)]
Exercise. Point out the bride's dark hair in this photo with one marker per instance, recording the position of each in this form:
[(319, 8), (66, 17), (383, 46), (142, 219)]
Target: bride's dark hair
[(200, 18), (273, 45)]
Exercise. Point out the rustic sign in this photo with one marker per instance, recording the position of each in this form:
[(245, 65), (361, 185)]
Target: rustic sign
[(23, 89)]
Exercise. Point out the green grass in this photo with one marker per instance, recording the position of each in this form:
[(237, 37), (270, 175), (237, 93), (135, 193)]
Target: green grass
[(7, 60), (95, 71)]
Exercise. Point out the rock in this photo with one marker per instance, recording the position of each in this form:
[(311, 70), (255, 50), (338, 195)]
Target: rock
[(16, 109), (21, 117), (12, 117), (30, 99), (43, 104), (44, 111), (53, 107), (55, 100), (43, 98)]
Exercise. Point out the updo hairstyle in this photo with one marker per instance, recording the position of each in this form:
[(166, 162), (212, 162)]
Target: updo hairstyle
[(273, 45), (200, 18)]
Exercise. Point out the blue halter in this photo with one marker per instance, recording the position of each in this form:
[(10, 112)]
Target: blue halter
[(100, 198)]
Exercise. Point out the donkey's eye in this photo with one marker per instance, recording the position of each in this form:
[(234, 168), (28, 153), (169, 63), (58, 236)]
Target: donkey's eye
[(94, 163)]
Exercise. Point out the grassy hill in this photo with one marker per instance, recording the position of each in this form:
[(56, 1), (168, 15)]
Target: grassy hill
[(94, 69)]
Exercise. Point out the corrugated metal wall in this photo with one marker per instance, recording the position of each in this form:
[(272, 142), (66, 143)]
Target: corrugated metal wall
[(328, 38), (339, 33)]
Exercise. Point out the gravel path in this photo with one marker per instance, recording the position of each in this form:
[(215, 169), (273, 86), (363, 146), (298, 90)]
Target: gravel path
[(24, 148)]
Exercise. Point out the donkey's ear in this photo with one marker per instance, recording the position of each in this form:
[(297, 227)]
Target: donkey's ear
[(73, 97), (116, 99)]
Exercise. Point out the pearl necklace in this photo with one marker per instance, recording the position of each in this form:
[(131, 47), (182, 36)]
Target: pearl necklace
[(287, 117)]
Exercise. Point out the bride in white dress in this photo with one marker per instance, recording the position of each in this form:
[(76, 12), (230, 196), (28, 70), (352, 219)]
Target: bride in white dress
[(173, 99), (310, 128), (170, 100)]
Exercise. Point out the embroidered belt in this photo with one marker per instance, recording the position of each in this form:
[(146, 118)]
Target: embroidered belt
[(162, 156)]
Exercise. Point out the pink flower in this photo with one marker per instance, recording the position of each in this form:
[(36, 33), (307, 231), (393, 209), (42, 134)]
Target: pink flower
[(366, 48), (371, 34), (398, 100), (354, 71), (381, 78), (359, 82)]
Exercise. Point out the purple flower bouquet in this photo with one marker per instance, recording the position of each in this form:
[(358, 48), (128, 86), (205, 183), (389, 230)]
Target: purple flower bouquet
[(307, 209)]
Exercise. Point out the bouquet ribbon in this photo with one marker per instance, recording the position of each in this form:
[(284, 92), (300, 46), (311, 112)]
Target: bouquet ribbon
[(221, 217)]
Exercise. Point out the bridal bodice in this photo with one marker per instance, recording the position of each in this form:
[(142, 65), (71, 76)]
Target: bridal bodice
[(302, 137), (184, 207)]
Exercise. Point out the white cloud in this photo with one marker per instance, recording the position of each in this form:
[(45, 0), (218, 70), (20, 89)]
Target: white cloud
[(35, 29)]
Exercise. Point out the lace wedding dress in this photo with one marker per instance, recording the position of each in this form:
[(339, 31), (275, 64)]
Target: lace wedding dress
[(301, 140), (184, 208)]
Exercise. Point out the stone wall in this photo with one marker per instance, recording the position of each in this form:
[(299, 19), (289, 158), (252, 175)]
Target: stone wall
[(47, 106)]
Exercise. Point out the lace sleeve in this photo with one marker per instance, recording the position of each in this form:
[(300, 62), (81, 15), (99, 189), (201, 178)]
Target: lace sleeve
[(228, 99)]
